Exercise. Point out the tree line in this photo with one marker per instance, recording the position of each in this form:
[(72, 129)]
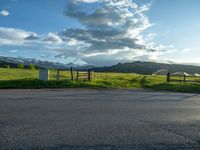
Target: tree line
[(21, 66)]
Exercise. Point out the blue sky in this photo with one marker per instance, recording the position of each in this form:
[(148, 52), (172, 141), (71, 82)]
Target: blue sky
[(101, 32)]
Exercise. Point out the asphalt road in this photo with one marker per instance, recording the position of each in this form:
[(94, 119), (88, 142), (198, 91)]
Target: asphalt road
[(86, 119)]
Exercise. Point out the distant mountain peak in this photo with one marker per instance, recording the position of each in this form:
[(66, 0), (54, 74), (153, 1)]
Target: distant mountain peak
[(148, 67), (39, 63)]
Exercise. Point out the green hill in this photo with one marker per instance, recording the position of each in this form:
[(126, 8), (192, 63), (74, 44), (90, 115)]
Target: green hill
[(147, 68)]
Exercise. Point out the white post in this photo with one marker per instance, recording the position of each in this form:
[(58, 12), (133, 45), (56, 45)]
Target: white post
[(44, 74)]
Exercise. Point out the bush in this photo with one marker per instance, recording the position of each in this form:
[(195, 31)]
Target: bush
[(20, 66), (32, 66), (6, 66)]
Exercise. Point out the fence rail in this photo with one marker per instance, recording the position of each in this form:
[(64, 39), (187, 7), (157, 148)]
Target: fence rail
[(182, 78), (84, 75)]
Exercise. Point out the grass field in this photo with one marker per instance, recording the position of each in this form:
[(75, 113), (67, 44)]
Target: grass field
[(25, 78)]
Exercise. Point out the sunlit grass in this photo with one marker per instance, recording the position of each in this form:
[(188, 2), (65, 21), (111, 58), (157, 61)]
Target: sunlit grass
[(25, 78)]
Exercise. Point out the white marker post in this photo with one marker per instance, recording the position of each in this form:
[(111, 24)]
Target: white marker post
[(44, 74)]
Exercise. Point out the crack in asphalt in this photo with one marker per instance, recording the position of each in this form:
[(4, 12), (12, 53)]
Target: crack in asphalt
[(170, 131)]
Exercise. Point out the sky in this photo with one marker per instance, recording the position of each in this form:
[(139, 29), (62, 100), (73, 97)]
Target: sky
[(101, 32)]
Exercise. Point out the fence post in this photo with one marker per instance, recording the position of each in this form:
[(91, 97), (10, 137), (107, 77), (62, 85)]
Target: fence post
[(77, 75), (58, 75), (168, 77), (184, 78), (72, 75), (89, 75)]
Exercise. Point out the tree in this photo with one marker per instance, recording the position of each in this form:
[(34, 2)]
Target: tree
[(6, 66), (32, 66), (20, 66)]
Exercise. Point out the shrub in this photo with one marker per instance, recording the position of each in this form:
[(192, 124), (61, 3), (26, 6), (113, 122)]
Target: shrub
[(6, 66), (32, 66), (20, 66)]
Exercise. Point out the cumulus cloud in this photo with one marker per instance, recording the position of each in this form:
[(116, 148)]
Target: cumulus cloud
[(112, 31), (4, 12), (186, 50), (13, 51), (53, 38), (103, 59), (12, 36), (19, 37)]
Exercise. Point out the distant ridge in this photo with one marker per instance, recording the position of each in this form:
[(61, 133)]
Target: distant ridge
[(140, 67), (147, 68), (13, 62)]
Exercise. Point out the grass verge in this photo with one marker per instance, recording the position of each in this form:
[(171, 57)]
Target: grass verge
[(28, 79)]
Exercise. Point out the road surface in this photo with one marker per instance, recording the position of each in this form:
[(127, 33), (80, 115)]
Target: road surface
[(85, 119)]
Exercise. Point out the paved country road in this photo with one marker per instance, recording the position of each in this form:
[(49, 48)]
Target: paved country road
[(85, 119)]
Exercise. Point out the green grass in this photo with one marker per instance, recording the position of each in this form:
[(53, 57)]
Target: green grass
[(25, 78)]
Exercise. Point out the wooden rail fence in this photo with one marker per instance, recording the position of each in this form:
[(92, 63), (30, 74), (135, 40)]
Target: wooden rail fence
[(182, 78), (84, 75)]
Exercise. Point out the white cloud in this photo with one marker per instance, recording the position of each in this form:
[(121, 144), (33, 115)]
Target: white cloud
[(4, 12), (110, 34), (186, 50), (150, 36), (53, 38), (113, 30), (73, 42), (18, 37), (13, 51), (12, 36)]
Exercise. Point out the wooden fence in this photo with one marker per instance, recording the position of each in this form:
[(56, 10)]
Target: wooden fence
[(182, 78), (84, 75), (72, 75)]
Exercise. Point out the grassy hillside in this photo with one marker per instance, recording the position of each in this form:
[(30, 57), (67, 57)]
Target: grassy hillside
[(147, 68), (24, 78), (16, 74)]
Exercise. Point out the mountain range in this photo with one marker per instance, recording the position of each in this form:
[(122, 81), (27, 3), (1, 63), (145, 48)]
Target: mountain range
[(148, 68), (13, 63), (131, 67)]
